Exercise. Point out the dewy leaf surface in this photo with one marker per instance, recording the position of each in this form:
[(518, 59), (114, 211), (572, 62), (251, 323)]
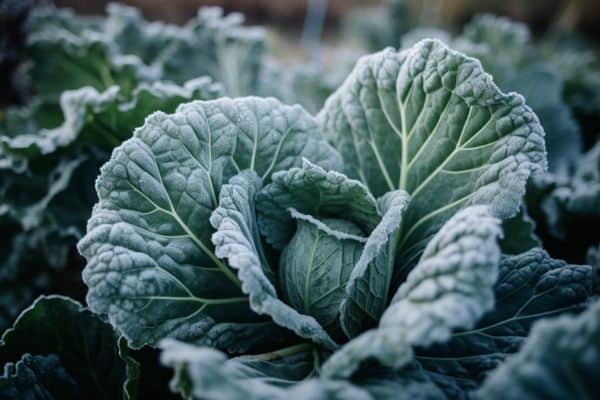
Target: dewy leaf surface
[(312, 190), (369, 284), (450, 288), (530, 287), (430, 121), (151, 265), (559, 360), (237, 240)]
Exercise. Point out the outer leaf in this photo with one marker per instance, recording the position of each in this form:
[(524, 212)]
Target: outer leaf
[(450, 288), (83, 344), (312, 190), (407, 383), (63, 60), (369, 284), (151, 266), (238, 241), (38, 378), (427, 119), (211, 44), (530, 286), (487, 36), (33, 263), (108, 117), (573, 208), (559, 360), (221, 47), (519, 234), (543, 88), (150, 41), (42, 218), (593, 257), (44, 17), (203, 373)]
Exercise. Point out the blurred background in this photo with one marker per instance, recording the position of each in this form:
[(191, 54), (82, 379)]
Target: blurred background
[(287, 19), (299, 51), (582, 15), (328, 30)]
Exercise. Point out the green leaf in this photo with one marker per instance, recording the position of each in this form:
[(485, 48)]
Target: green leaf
[(314, 191), (220, 47), (38, 378), (315, 266), (30, 215), (63, 330), (503, 45), (558, 361), (531, 286), (543, 88), (519, 234), (237, 240), (48, 16), (151, 265), (430, 121), (450, 288), (370, 282), (64, 60), (573, 206), (125, 26), (204, 373), (407, 383), (109, 117)]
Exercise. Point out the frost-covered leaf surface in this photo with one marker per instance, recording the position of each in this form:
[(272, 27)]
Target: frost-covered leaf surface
[(541, 85), (44, 161), (558, 360), (428, 119), (570, 207), (68, 341), (203, 373), (87, 58), (488, 36), (107, 117), (210, 44), (312, 190), (38, 378), (151, 264), (530, 287), (238, 241), (450, 288), (316, 264), (369, 284), (232, 235)]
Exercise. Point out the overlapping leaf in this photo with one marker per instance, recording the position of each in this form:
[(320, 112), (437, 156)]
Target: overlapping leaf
[(450, 288), (151, 225), (70, 344), (430, 121), (558, 360), (531, 286)]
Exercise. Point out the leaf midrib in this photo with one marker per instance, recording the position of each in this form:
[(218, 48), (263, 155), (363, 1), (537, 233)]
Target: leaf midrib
[(224, 269), (308, 280)]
